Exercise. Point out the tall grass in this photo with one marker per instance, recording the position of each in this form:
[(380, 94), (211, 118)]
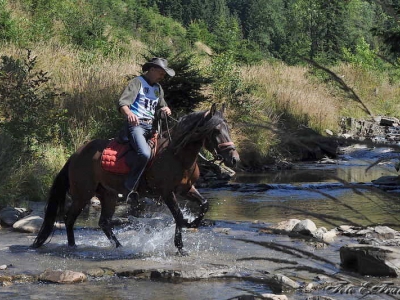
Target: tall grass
[(379, 91), (288, 90), (282, 98)]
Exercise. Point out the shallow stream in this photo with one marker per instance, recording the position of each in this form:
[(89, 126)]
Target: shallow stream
[(230, 259)]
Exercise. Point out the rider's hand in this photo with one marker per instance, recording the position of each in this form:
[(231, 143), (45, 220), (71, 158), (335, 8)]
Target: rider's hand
[(166, 110), (132, 119)]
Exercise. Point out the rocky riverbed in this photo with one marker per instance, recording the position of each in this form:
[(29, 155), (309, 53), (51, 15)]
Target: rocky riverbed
[(292, 259)]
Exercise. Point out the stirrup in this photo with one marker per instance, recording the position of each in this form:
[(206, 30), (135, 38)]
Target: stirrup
[(132, 197)]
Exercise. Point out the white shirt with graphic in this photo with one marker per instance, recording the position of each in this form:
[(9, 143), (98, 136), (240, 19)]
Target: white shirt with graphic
[(146, 100)]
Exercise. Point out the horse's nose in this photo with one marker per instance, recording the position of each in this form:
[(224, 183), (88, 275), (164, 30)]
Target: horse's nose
[(235, 160)]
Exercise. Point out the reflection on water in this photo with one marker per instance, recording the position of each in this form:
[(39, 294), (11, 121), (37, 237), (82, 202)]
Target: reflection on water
[(330, 195), (344, 171), (120, 288)]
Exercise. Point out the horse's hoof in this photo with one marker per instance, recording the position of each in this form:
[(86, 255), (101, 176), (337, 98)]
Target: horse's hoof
[(207, 223), (182, 252), (193, 224)]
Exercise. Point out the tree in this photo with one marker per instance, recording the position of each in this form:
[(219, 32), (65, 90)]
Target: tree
[(171, 8), (228, 35), (265, 23), (320, 30), (183, 91), (389, 29)]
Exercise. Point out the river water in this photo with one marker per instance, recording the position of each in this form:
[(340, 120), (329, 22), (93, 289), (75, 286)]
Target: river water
[(231, 258)]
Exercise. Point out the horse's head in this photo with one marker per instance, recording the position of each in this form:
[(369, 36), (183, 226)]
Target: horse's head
[(219, 142)]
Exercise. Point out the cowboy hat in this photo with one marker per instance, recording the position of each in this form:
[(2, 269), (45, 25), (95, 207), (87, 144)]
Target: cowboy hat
[(160, 63)]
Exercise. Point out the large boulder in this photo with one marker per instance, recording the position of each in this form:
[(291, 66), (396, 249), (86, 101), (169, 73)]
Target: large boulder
[(371, 260), (10, 215), (30, 224), (305, 227)]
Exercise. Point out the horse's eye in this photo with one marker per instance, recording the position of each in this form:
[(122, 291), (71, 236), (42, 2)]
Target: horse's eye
[(217, 131)]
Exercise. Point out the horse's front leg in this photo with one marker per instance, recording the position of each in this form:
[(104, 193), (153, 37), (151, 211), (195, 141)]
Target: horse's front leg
[(108, 201), (194, 195), (172, 203)]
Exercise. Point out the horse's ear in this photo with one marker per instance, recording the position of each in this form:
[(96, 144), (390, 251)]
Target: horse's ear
[(213, 109), (223, 108)]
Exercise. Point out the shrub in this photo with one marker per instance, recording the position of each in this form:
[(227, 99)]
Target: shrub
[(29, 108)]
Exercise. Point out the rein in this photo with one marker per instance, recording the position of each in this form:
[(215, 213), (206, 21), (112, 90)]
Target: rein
[(226, 146)]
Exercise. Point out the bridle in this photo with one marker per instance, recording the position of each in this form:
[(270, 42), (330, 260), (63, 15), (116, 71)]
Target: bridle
[(220, 148)]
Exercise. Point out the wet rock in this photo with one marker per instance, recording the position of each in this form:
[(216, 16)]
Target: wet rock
[(30, 224), (388, 121), (286, 226), (97, 272), (62, 276), (344, 228), (382, 232), (274, 297), (377, 232), (329, 237), (10, 215), (286, 282), (371, 260), (305, 227), (5, 278), (310, 287), (24, 278), (324, 235), (100, 272), (387, 181)]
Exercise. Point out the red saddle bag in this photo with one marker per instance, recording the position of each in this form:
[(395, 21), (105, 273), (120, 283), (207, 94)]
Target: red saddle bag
[(113, 158)]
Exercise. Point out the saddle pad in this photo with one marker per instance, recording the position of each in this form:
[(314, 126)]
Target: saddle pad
[(113, 158)]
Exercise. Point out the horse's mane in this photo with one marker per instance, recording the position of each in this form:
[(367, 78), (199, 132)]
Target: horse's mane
[(194, 127)]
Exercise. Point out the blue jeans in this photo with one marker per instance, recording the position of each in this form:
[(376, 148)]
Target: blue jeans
[(142, 153)]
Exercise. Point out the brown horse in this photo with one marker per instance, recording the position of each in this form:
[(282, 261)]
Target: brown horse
[(173, 170)]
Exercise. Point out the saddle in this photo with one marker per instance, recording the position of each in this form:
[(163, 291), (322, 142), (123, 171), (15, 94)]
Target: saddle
[(115, 157)]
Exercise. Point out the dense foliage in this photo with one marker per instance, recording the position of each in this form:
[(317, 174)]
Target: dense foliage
[(251, 29)]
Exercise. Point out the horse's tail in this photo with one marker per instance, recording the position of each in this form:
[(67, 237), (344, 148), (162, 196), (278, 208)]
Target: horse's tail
[(55, 204)]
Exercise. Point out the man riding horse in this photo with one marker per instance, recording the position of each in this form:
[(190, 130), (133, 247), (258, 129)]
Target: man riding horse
[(139, 103), (174, 169)]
